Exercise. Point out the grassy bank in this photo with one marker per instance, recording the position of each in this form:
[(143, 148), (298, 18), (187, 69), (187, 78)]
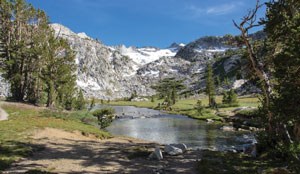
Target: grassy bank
[(187, 106), (24, 119)]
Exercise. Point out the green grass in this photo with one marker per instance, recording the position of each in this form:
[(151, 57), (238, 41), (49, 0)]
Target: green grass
[(15, 132), (186, 106)]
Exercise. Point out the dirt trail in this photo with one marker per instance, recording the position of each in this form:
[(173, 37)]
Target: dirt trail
[(3, 114), (65, 152)]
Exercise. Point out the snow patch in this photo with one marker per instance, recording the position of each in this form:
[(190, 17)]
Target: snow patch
[(151, 73), (144, 56), (83, 35)]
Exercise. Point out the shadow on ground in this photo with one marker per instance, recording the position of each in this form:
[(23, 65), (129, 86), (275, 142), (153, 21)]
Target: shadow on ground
[(89, 156)]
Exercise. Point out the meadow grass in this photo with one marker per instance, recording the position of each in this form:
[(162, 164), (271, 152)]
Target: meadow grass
[(15, 132), (187, 106)]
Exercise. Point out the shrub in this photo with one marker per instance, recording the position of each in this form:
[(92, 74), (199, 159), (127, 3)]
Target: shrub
[(199, 107), (230, 98), (104, 116)]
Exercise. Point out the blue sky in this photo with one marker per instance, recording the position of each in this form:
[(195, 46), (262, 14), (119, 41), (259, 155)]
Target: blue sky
[(147, 22)]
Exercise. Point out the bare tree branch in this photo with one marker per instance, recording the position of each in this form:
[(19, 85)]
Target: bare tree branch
[(248, 22)]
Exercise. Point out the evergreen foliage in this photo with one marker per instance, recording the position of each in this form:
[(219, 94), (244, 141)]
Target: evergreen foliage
[(38, 65), (275, 62), (210, 85), (104, 116), (282, 28), (80, 102), (229, 97), (152, 99), (168, 89), (93, 103), (199, 107)]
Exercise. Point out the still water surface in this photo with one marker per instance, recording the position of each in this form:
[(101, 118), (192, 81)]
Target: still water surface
[(164, 128)]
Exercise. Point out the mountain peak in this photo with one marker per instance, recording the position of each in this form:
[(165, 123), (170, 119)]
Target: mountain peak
[(176, 45)]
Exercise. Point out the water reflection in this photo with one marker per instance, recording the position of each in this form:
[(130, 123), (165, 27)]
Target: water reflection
[(167, 129)]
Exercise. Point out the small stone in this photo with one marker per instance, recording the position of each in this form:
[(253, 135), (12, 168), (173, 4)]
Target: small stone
[(157, 154), (181, 146), (227, 128), (209, 120), (171, 150)]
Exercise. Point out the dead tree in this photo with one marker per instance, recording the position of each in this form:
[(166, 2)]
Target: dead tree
[(248, 22)]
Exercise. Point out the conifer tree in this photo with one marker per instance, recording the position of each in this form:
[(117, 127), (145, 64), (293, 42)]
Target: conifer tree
[(210, 86), (80, 102), (173, 95), (38, 65), (282, 28)]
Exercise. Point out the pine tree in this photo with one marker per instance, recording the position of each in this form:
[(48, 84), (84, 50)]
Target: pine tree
[(152, 99), (225, 98), (93, 103), (173, 95), (38, 65), (164, 86), (199, 107), (218, 81), (229, 97), (278, 68), (210, 86), (282, 28), (58, 71), (80, 102)]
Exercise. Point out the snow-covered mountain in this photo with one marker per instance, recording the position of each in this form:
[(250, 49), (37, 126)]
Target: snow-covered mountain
[(103, 72), (118, 71), (206, 47), (113, 71), (110, 72)]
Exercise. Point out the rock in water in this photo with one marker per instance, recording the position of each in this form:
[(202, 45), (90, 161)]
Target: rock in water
[(227, 128), (181, 146), (209, 120), (171, 150), (157, 154)]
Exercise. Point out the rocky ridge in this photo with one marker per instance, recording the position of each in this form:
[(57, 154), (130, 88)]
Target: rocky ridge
[(111, 72)]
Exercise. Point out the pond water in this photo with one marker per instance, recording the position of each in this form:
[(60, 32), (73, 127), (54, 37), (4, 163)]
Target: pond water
[(152, 125)]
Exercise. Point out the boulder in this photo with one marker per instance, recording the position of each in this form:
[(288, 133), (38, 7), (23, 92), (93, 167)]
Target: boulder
[(171, 150), (157, 154), (209, 120), (137, 99), (250, 149), (227, 128), (245, 108), (181, 146)]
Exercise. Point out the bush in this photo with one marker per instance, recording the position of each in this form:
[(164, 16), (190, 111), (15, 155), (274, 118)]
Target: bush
[(230, 98), (80, 102), (199, 107), (104, 116)]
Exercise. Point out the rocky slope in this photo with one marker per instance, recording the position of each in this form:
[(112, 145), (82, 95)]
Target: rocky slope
[(103, 72), (116, 72)]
